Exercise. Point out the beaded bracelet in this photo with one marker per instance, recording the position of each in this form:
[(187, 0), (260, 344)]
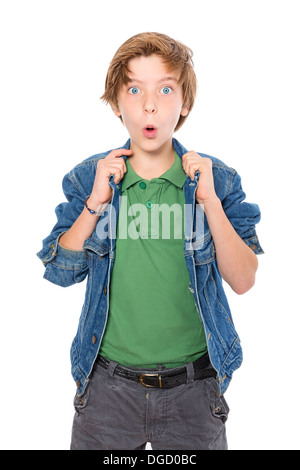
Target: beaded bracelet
[(91, 211)]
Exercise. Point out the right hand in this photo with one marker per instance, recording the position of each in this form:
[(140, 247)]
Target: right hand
[(110, 165)]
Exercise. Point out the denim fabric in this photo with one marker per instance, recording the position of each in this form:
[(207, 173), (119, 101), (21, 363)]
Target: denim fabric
[(115, 413), (96, 260)]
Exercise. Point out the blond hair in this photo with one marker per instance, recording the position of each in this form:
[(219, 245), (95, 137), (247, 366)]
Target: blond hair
[(176, 56)]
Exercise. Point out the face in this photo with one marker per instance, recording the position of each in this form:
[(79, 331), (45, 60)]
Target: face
[(150, 104)]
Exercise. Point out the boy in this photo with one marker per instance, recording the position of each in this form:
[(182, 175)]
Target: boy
[(156, 346)]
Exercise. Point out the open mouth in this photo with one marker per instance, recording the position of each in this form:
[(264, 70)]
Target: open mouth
[(150, 131)]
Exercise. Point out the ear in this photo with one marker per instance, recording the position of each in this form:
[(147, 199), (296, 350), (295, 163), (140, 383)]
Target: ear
[(184, 111), (116, 110)]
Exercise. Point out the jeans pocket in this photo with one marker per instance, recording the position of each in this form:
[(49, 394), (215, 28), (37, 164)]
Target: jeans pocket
[(81, 402), (218, 405), (220, 409)]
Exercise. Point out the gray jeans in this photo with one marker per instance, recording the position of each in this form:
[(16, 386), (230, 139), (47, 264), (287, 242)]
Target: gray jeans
[(118, 414)]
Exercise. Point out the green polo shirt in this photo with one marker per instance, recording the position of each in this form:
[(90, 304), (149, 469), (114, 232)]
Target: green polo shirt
[(152, 314)]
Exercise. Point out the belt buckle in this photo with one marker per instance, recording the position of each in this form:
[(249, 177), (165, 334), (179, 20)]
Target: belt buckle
[(141, 377)]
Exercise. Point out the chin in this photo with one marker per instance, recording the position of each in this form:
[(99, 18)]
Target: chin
[(153, 144)]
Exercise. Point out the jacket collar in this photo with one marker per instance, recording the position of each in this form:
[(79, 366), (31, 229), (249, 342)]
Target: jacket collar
[(179, 149)]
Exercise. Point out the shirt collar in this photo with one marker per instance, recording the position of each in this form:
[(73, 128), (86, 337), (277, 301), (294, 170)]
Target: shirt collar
[(175, 174), (130, 177)]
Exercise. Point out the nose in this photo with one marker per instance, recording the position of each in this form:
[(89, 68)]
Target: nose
[(150, 109), (149, 105)]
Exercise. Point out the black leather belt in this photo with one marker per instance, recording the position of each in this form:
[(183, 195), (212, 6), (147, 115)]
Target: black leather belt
[(160, 378)]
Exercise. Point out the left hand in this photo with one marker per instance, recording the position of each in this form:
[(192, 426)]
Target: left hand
[(191, 162)]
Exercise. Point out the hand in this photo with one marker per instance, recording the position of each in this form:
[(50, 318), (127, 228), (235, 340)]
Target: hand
[(110, 165), (191, 162)]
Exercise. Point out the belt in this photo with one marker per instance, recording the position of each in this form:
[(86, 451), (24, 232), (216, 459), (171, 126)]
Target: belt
[(160, 378)]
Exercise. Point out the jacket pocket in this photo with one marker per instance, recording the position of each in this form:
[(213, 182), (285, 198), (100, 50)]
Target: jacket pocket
[(204, 250)]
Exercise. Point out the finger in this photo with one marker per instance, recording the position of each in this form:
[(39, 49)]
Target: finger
[(187, 157), (191, 169), (187, 163), (118, 169), (117, 165), (119, 153), (184, 161), (191, 153), (118, 175), (192, 173), (107, 164)]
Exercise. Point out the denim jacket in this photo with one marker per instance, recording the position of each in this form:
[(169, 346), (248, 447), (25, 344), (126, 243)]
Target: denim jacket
[(65, 267)]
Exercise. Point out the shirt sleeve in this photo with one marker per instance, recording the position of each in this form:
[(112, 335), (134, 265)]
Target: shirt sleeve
[(64, 267), (242, 215)]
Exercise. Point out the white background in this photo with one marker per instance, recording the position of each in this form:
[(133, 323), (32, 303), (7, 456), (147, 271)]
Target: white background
[(54, 57)]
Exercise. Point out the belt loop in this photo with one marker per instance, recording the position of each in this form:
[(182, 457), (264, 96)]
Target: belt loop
[(190, 373), (110, 373)]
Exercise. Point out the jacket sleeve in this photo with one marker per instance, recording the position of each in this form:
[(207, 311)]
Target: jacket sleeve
[(64, 267), (242, 215)]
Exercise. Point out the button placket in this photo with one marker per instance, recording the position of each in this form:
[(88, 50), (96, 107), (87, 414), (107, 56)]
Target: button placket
[(153, 194), (148, 203), (143, 185), (143, 189), (149, 193)]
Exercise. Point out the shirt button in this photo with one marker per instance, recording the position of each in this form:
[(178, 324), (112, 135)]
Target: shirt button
[(149, 204), (142, 185), (94, 339), (253, 247)]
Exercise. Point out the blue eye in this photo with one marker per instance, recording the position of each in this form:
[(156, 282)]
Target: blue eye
[(134, 90), (166, 90)]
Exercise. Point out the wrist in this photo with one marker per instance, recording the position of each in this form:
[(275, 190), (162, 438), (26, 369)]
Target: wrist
[(95, 207), (211, 204)]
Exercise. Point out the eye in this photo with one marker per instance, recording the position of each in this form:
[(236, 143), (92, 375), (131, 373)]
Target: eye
[(166, 90), (133, 90)]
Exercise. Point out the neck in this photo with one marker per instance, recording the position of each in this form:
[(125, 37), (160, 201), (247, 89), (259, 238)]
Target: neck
[(152, 164)]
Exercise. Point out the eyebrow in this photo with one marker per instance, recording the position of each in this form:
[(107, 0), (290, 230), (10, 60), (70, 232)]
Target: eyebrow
[(163, 79)]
